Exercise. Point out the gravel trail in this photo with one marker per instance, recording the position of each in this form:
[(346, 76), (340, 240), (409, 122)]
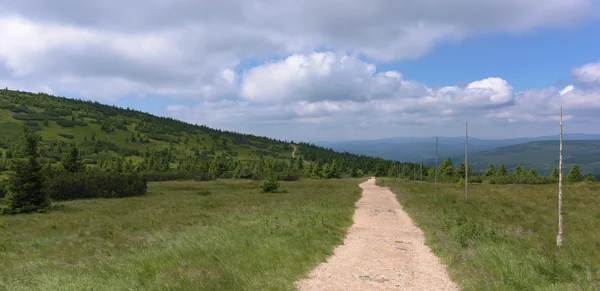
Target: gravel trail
[(383, 250)]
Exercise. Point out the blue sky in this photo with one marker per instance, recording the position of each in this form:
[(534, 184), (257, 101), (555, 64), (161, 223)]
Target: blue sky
[(318, 70)]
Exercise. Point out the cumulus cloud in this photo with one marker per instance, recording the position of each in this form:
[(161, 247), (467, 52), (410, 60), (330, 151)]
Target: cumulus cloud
[(178, 47), (322, 58), (589, 73)]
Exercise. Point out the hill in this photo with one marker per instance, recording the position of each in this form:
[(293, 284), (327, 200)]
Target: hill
[(104, 133), (409, 148), (540, 155)]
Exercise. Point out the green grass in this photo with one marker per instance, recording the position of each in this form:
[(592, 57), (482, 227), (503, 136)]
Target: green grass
[(504, 236), (220, 235)]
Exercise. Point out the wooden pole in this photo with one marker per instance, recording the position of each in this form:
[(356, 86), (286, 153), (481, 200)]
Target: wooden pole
[(466, 160), (436, 161), (421, 164), (560, 236)]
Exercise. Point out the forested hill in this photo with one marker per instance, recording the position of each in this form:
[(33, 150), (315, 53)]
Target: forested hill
[(108, 134)]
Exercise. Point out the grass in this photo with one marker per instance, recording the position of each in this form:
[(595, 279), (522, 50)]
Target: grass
[(220, 235), (504, 236)]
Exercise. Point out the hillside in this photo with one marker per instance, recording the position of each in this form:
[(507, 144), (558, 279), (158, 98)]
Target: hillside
[(540, 155), (409, 148), (104, 133)]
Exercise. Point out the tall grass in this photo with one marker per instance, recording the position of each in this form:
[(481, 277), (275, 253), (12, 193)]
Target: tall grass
[(180, 236), (504, 237)]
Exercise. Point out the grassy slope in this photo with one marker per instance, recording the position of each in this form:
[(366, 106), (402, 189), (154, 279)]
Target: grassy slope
[(11, 129), (504, 237), (234, 239), (541, 155)]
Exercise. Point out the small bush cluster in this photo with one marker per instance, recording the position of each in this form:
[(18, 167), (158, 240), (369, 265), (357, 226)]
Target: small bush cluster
[(94, 184), (531, 180), (174, 175), (70, 123)]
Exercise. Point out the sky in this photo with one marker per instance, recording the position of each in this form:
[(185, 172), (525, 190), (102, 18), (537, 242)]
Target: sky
[(318, 70)]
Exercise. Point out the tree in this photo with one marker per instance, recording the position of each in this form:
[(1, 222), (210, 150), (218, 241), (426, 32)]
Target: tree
[(73, 162), (380, 170), (575, 174), (520, 171), (25, 182), (502, 170), (590, 177), (491, 171), (554, 173), (533, 173), (446, 168)]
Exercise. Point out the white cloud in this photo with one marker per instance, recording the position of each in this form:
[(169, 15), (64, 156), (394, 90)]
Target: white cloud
[(187, 49), (589, 73)]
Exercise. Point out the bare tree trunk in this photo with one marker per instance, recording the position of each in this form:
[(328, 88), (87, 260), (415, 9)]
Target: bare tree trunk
[(436, 161), (421, 164), (560, 237), (466, 160)]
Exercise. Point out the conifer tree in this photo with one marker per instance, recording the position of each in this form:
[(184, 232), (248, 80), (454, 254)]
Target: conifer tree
[(491, 171), (533, 173), (25, 182), (555, 173), (502, 170), (590, 177), (73, 162), (575, 174)]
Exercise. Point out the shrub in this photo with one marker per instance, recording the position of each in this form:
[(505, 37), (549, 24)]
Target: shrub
[(68, 136), (2, 190), (173, 175), (204, 192), (270, 185), (94, 184), (70, 123)]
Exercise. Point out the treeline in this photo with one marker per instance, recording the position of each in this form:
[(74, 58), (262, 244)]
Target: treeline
[(157, 165), (31, 185), (447, 172)]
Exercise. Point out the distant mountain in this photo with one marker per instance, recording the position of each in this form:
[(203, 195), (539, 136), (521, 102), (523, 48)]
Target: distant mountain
[(540, 155), (409, 148)]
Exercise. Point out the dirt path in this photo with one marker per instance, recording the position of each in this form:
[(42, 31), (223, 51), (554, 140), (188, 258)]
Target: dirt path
[(294, 152), (384, 250)]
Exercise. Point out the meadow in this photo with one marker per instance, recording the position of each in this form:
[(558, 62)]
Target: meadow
[(504, 236), (217, 235)]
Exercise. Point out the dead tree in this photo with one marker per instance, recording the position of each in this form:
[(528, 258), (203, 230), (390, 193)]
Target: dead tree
[(560, 236), (466, 160), (436, 161)]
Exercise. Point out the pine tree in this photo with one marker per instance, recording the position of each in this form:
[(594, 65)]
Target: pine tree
[(575, 174), (380, 169), (502, 170), (491, 171), (590, 177), (73, 162), (533, 173), (25, 183), (519, 171), (555, 173), (446, 168)]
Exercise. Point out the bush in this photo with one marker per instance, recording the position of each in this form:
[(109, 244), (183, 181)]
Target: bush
[(70, 123), (67, 136), (174, 175), (531, 180), (270, 185), (204, 192), (94, 184), (2, 190)]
